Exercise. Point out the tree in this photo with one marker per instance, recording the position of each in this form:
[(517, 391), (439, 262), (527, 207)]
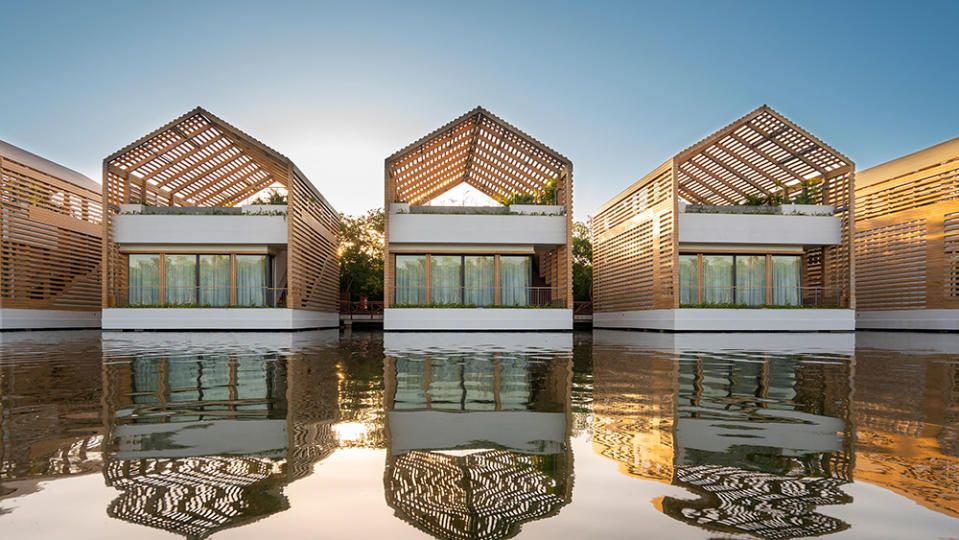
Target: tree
[(582, 263), (361, 255)]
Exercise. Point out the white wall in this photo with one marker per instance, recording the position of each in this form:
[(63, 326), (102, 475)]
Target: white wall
[(908, 319), (477, 319), (759, 229), (181, 229), (216, 319), (400, 343), (526, 431), (477, 229), (38, 319), (730, 320)]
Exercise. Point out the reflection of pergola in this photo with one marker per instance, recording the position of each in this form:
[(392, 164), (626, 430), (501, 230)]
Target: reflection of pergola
[(200, 160), (737, 501), (487, 494), (482, 151), (635, 235)]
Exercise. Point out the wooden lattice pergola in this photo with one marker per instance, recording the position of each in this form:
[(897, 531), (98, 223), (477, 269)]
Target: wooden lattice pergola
[(200, 160), (485, 152), (635, 235)]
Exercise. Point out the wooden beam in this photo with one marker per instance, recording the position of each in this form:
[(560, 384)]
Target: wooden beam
[(765, 155), (778, 132)]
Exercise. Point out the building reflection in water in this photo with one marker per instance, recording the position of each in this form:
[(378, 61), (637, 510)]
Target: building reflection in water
[(906, 415), (199, 442), (478, 435), (762, 439), (49, 407)]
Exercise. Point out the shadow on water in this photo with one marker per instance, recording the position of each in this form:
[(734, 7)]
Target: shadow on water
[(767, 435)]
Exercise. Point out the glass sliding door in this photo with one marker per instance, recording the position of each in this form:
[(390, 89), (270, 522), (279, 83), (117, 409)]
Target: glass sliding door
[(410, 280), (478, 280), (214, 280), (717, 279), (252, 280), (751, 280), (787, 279), (143, 279), (446, 279), (514, 280), (180, 279), (688, 279)]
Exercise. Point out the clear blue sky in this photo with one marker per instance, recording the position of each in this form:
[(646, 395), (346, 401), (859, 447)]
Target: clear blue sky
[(616, 87)]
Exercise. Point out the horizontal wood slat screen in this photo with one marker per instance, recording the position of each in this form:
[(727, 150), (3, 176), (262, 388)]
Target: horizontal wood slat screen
[(200, 160), (50, 234), (908, 232), (635, 235)]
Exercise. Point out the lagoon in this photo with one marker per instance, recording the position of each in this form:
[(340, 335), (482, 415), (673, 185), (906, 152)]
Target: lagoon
[(605, 434)]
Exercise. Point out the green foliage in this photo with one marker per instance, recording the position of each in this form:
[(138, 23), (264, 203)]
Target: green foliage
[(765, 306), (547, 195), (273, 197), (774, 199), (582, 263), (361, 255), (474, 306), (811, 193)]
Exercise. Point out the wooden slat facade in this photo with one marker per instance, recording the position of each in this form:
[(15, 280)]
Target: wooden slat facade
[(635, 235), (200, 160), (50, 235), (487, 153), (907, 231)]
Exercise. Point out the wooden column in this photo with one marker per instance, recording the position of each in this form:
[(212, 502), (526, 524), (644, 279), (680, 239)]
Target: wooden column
[(162, 292), (428, 277), (497, 293), (699, 278), (769, 279), (233, 279)]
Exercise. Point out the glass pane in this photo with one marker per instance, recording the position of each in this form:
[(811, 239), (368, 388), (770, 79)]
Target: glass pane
[(688, 279), (180, 283), (751, 280), (787, 278), (478, 274), (514, 278), (143, 279), (410, 280), (251, 280), (717, 279), (446, 279), (214, 280)]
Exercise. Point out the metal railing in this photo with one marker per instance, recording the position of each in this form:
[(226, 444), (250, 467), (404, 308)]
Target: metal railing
[(479, 296), (362, 308), (199, 297), (764, 296)]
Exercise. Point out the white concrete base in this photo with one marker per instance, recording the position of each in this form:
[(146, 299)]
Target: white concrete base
[(217, 319), (418, 343), (477, 319), (908, 319), (730, 320), (44, 319)]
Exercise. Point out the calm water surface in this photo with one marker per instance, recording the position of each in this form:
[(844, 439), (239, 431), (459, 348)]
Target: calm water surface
[(603, 435)]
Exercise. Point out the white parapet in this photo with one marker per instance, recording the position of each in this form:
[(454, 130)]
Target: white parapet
[(477, 229), (730, 320), (477, 319), (799, 230), (217, 319), (908, 319), (189, 229), (46, 319)]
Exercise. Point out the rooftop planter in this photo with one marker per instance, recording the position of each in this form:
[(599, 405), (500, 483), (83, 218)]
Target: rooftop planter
[(246, 225), (781, 210), (514, 209), (788, 224), (517, 224)]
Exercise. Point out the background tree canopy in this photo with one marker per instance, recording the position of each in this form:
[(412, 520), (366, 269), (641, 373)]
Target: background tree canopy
[(582, 263)]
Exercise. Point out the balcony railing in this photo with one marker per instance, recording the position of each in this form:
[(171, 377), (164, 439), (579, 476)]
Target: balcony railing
[(777, 297), (200, 297), (478, 297)]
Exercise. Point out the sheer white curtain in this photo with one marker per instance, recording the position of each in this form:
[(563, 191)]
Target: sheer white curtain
[(180, 282), (446, 279), (478, 273), (214, 280), (514, 279), (143, 279), (251, 276), (688, 279), (751, 280), (717, 279), (787, 277), (410, 280)]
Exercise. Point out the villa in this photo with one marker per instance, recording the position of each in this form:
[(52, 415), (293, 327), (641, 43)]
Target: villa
[(207, 228), (907, 242), (748, 230), (501, 263), (49, 243)]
